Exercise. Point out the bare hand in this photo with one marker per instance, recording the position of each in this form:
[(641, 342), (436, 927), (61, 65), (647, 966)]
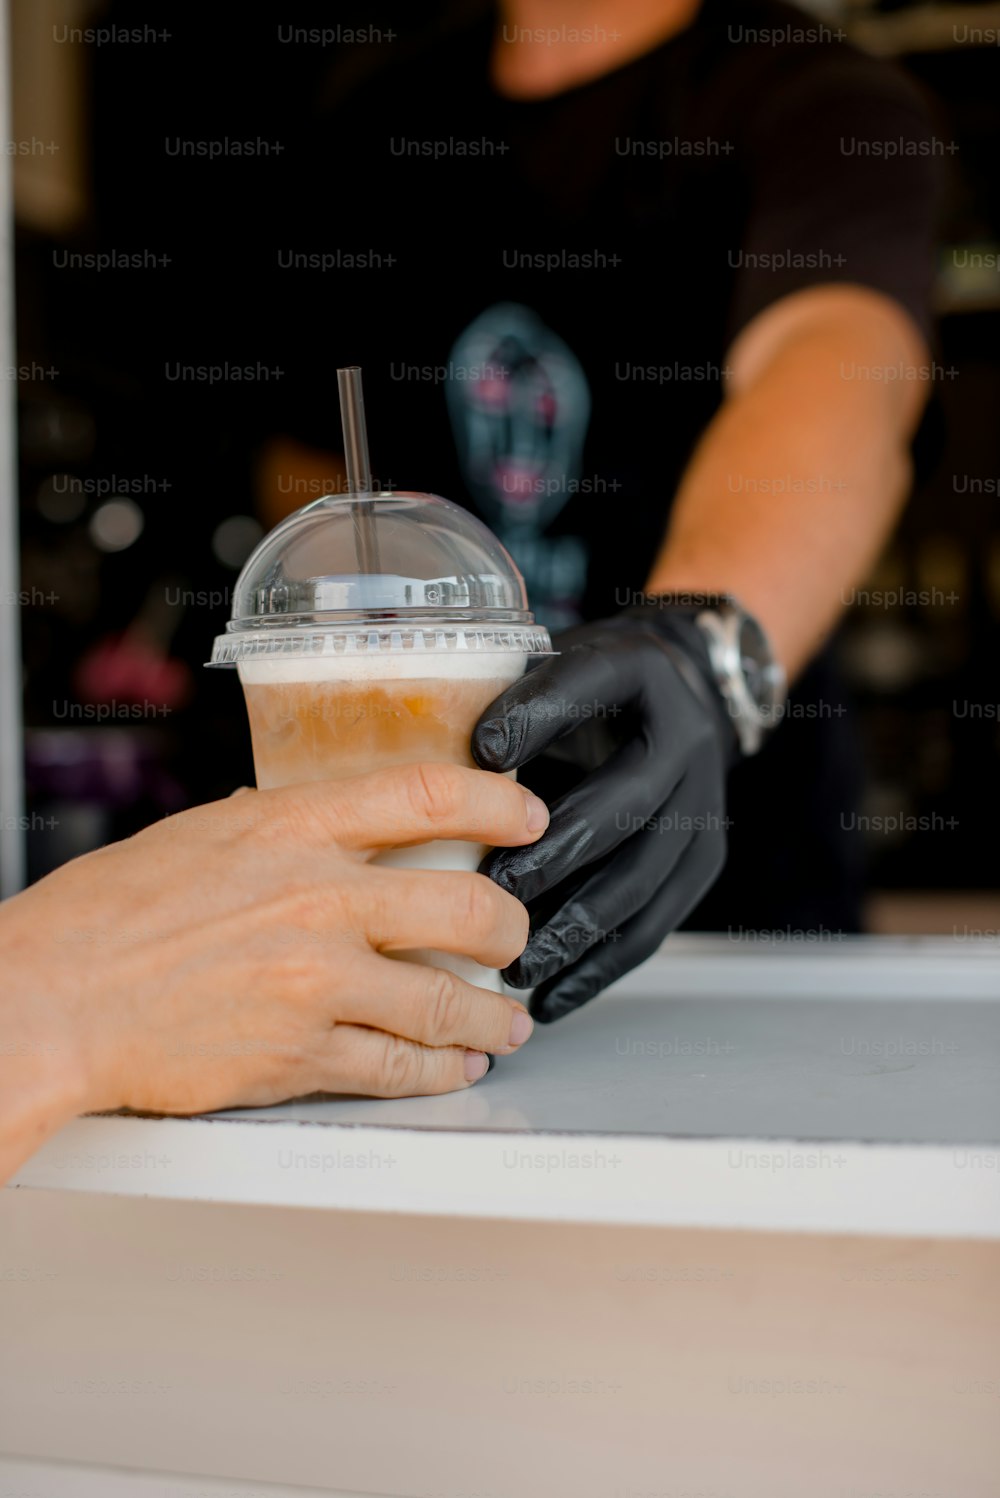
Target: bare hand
[(235, 954)]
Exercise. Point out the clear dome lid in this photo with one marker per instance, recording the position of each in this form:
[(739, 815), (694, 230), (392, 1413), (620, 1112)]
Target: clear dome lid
[(378, 571)]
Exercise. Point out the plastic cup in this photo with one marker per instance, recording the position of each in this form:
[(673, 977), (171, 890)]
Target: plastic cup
[(346, 671)]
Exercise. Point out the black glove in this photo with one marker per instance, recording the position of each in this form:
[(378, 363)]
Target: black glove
[(631, 849)]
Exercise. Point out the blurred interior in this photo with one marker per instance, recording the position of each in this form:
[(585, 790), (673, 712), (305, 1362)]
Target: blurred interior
[(140, 500)]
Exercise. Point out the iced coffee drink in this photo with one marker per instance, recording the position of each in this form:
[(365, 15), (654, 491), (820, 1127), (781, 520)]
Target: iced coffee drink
[(345, 672), (370, 630)]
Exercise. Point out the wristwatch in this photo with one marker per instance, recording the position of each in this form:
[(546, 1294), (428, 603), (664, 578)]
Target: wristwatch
[(738, 656)]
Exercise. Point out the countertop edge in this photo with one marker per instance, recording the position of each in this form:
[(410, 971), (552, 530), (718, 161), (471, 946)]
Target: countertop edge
[(910, 1190)]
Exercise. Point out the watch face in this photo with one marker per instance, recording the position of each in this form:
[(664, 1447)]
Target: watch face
[(764, 677)]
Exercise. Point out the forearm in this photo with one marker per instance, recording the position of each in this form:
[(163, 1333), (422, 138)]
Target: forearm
[(45, 1077), (796, 484), (35, 1107), (38, 1093)]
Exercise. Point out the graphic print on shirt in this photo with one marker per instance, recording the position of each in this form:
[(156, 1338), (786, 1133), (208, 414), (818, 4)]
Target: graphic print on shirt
[(519, 416)]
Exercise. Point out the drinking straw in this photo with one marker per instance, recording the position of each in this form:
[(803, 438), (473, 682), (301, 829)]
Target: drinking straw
[(359, 480)]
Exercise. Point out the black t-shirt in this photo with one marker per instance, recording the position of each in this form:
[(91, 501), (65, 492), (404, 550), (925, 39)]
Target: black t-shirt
[(542, 294)]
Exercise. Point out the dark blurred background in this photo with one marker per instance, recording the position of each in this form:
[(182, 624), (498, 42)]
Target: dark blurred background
[(141, 496)]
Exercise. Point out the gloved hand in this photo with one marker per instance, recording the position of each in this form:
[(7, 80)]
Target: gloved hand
[(631, 849)]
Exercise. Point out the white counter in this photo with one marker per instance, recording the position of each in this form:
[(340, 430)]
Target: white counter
[(853, 1086), (731, 1231)]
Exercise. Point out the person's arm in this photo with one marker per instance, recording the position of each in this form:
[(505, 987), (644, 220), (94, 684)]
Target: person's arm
[(786, 502), (797, 482), (41, 1087), (788, 498), (239, 954)]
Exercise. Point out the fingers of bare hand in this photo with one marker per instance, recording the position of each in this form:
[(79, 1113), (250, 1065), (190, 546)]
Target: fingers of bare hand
[(434, 1007), (411, 804), (449, 911), (373, 1063)]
